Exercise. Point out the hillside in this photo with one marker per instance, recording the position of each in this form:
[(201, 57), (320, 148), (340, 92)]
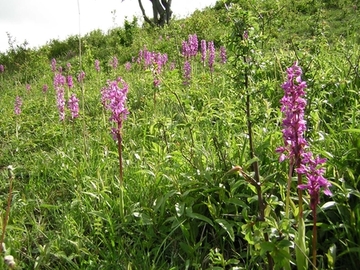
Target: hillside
[(225, 140)]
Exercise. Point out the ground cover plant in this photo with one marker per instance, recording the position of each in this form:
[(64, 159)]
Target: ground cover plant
[(226, 140)]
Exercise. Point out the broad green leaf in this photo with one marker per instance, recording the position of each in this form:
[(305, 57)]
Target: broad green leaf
[(200, 217), (227, 227)]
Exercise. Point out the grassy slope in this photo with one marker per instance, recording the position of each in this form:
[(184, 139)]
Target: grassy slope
[(65, 211)]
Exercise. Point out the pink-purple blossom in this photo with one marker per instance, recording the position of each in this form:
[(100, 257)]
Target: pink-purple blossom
[(293, 107), (295, 145), (203, 51), (127, 66), (17, 106), (314, 171), (223, 55), (73, 105), (2, 68), (97, 65), (28, 87), (193, 44), (59, 82), (45, 88), (70, 82), (114, 62), (53, 65), (211, 49), (187, 73), (81, 77), (113, 97)]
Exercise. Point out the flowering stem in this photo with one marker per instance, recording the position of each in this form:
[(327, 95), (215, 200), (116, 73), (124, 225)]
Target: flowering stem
[(121, 182), (119, 139), (299, 178), (314, 239)]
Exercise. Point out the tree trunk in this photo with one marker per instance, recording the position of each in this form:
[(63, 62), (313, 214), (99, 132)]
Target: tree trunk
[(144, 14), (161, 12)]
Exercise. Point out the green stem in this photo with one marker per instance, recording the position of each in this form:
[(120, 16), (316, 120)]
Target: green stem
[(121, 182), (314, 239)]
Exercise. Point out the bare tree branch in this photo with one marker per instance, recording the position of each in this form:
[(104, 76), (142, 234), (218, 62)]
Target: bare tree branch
[(144, 14)]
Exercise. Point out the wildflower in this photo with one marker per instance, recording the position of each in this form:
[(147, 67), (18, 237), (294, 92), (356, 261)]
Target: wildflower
[(73, 105), (147, 58), (45, 88), (203, 51), (187, 73), (68, 66), (114, 62), (172, 65), (114, 98), (2, 68), (293, 106), (18, 104), (314, 173), (28, 87), (97, 65), (296, 146), (127, 66), (70, 82), (193, 44), (185, 49), (140, 56), (223, 55), (81, 76), (59, 82), (245, 35), (211, 49), (53, 65)]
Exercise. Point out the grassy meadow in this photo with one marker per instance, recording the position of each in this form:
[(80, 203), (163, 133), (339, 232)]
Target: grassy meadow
[(200, 184)]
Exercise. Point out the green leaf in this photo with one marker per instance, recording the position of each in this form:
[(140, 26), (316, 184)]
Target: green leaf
[(267, 246), (190, 214), (352, 130), (237, 202), (227, 227), (328, 205)]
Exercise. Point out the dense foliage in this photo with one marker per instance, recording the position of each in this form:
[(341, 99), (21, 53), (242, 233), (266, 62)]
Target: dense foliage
[(195, 123)]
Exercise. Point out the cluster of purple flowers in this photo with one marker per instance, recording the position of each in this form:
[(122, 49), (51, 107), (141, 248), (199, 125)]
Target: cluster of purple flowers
[(53, 65), (59, 82), (70, 82), (153, 60), (28, 87), (203, 51), (45, 88), (73, 105), (190, 47), (81, 77), (97, 65), (114, 62), (18, 104), (127, 66), (296, 146), (223, 57), (2, 68), (187, 73), (59, 85), (113, 97), (211, 48)]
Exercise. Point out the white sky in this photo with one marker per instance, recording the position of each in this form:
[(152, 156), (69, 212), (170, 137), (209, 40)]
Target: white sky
[(39, 21)]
